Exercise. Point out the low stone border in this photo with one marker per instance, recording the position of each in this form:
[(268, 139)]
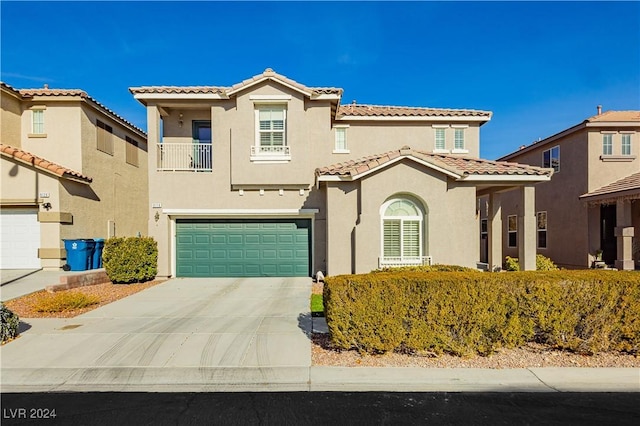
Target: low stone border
[(96, 276)]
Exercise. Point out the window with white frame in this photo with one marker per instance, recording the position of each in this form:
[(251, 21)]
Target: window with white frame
[(271, 128), (607, 144), (37, 121), (439, 138), (458, 139), (626, 144), (402, 223), (542, 229), (512, 223), (341, 140), (551, 159)]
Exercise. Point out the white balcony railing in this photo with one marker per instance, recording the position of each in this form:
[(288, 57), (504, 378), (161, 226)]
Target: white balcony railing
[(270, 153), (390, 262), (196, 156)]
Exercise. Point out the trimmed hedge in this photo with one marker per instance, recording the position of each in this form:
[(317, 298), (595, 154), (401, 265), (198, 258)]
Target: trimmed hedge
[(130, 259), (8, 323), (542, 264), (470, 313), (428, 268)]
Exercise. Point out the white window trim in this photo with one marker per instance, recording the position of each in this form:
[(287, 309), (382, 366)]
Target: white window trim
[(266, 158), (335, 141), (33, 133), (420, 218), (444, 139), (609, 145), (509, 231), (464, 149), (622, 137)]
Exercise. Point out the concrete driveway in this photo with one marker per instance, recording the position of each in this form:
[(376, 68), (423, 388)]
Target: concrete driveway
[(196, 330)]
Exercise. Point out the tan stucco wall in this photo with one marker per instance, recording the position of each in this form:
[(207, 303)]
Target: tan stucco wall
[(601, 172), (573, 228), (567, 224), (354, 236), (21, 185), (373, 137), (311, 138), (10, 119), (62, 128), (118, 192)]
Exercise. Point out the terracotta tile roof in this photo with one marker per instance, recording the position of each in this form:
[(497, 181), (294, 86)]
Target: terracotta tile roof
[(607, 116), (461, 166), (616, 116), (42, 164), (30, 93), (267, 74), (10, 89), (629, 183), (179, 89), (361, 110)]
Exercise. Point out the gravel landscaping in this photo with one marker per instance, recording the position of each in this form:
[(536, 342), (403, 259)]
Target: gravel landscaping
[(107, 293)]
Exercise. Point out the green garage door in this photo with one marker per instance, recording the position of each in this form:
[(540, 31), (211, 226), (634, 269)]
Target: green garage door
[(243, 248)]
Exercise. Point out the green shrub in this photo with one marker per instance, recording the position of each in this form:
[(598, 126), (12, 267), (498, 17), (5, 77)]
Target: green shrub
[(60, 302), (542, 264), (8, 323), (130, 259), (467, 313), (428, 268)]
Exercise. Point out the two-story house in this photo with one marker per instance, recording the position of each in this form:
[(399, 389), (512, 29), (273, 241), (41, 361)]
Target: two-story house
[(272, 177), (71, 168), (592, 203)]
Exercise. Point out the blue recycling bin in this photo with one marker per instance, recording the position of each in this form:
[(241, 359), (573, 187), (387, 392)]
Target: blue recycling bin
[(79, 254), (97, 253)]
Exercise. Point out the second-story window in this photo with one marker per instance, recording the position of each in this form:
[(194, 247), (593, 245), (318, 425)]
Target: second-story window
[(271, 134), (271, 128), (104, 137), (341, 140), (551, 158), (37, 121), (131, 152), (607, 144), (458, 140), (626, 144), (439, 136)]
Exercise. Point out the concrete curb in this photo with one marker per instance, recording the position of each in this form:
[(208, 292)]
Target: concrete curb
[(345, 379)]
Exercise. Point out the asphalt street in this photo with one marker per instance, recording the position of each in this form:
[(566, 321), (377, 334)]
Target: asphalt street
[(321, 408)]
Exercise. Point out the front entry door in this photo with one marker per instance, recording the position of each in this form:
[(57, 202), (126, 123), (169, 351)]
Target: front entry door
[(607, 233)]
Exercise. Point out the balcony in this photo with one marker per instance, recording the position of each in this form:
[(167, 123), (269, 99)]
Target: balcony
[(273, 153), (392, 262), (176, 157)]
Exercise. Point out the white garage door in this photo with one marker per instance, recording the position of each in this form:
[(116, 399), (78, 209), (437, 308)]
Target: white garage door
[(19, 239)]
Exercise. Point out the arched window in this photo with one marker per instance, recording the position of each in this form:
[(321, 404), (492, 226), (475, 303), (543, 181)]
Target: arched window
[(402, 225)]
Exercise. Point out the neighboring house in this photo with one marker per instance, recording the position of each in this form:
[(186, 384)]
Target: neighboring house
[(71, 168), (593, 201), (241, 181)]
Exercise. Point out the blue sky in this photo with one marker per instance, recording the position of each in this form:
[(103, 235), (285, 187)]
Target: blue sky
[(540, 67)]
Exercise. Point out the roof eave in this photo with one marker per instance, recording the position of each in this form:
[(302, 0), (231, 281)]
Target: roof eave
[(505, 178), (447, 118)]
